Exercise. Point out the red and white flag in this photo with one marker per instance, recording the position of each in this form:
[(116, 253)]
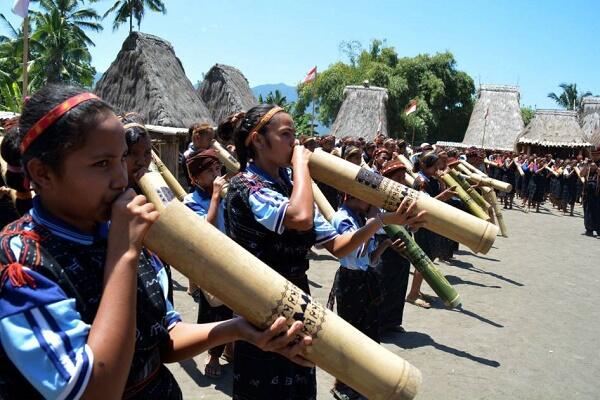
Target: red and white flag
[(311, 76), (21, 8), (412, 107)]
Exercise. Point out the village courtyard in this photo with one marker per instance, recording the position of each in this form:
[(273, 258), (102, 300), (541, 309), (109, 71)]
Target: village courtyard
[(528, 328)]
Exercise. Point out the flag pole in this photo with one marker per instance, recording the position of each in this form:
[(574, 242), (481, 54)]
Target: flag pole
[(312, 123), (25, 55)]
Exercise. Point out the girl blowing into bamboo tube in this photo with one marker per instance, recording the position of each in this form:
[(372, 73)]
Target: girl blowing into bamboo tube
[(277, 221), (83, 308), (204, 169)]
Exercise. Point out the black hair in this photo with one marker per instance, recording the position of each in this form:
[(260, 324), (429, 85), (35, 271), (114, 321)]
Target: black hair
[(133, 134), (426, 160), (227, 127), (241, 132), (15, 179), (65, 135)]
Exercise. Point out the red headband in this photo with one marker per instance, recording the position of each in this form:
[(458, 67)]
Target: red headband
[(52, 116)]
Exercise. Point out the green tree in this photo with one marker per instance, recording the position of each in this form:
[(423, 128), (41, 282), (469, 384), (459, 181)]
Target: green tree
[(127, 10), (60, 43), (527, 114), (444, 94), (302, 121), (569, 99)]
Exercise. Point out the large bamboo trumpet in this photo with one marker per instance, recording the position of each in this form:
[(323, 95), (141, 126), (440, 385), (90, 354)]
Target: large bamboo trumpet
[(578, 172), (258, 293), (461, 179), (467, 200), (417, 257), (519, 168), (484, 180), (553, 172), (226, 158), (173, 183), (384, 193), (490, 196)]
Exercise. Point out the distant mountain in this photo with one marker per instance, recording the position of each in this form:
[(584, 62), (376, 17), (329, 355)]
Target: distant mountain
[(288, 91), (97, 77)]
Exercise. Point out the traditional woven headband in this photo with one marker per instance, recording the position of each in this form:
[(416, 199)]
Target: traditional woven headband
[(134, 125), (263, 121), (52, 116)]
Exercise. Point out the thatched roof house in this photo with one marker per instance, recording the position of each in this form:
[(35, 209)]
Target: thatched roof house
[(496, 119), (551, 129), (590, 119), (225, 91), (363, 112), (148, 78)]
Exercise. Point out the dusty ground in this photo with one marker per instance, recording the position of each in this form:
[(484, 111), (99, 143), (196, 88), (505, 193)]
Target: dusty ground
[(530, 327)]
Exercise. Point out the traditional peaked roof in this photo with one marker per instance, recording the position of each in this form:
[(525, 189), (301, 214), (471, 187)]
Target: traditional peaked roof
[(148, 78), (591, 119), (500, 129), (554, 128), (225, 91), (362, 113)]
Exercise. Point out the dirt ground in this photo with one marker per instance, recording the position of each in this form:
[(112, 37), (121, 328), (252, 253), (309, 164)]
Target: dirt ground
[(529, 327)]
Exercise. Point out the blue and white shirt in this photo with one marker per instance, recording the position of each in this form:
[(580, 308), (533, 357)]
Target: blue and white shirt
[(41, 330), (269, 207), (199, 202), (345, 220)]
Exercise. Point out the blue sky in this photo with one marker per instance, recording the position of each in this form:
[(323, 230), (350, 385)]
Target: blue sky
[(535, 44)]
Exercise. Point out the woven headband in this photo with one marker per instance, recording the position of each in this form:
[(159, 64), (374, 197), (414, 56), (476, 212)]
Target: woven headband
[(134, 125), (52, 116), (263, 121)]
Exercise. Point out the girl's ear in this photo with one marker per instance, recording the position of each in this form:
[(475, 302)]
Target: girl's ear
[(41, 174)]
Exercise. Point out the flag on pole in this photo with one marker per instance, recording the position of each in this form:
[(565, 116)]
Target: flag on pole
[(311, 76), (412, 107), (21, 8)]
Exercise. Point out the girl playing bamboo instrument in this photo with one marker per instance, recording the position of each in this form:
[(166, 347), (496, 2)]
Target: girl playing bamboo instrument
[(277, 221), (83, 308)]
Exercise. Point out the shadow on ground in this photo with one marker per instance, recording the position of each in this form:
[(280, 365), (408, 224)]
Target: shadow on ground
[(413, 340), (222, 384)]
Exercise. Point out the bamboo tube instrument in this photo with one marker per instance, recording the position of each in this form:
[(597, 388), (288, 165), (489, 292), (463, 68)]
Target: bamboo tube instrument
[(483, 179), (472, 168), (381, 192), (467, 200), (578, 172), (417, 257), (226, 158), (519, 168), (553, 172), (410, 175), (255, 291), (490, 195), (173, 183), (462, 181), (232, 165)]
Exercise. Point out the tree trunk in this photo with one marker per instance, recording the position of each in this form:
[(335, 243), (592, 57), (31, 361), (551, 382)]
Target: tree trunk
[(130, 16)]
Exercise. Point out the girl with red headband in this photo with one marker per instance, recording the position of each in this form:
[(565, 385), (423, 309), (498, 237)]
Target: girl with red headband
[(83, 306), (276, 220)]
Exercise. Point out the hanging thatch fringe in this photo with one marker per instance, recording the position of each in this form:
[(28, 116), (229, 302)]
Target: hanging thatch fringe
[(148, 78), (363, 112), (225, 91), (591, 120), (554, 128), (500, 129)]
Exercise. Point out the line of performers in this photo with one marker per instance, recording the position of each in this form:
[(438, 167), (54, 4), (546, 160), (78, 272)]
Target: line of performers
[(87, 311), (561, 182)]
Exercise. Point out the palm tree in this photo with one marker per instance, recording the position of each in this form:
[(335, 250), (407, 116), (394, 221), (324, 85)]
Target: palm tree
[(569, 98), (11, 52), (61, 42), (127, 10)]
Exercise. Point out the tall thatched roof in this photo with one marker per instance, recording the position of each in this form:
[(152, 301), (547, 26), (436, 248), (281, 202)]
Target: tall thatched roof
[(362, 112), (591, 119), (554, 128), (225, 91), (148, 78), (503, 123)]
